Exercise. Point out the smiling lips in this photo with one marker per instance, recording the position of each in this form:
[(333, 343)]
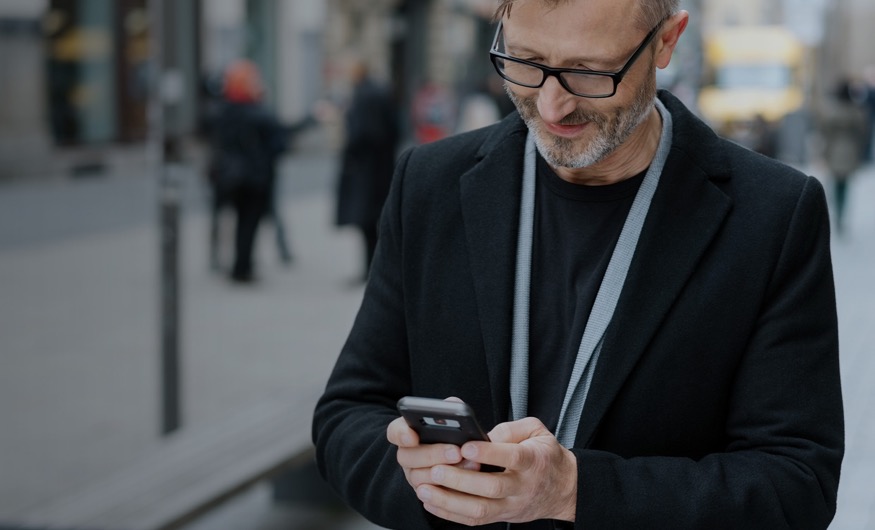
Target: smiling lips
[(566, 131)]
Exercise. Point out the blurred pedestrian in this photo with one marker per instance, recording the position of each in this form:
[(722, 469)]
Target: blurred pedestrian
[(867, 96), (215, 105), (246, 140), (842, 129), (764, 136), (368, 157), (432, 113)]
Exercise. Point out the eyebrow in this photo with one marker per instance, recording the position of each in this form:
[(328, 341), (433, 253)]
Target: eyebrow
[(519, 51)]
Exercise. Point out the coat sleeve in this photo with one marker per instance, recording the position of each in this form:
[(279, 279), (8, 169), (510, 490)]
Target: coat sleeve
[(785, 442), (371, 374)]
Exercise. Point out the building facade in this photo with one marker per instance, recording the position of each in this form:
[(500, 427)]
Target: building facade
[(77, 74), (80, 81)]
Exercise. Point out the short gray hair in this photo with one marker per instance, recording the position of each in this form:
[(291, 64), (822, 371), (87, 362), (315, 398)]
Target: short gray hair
[(649, 14)]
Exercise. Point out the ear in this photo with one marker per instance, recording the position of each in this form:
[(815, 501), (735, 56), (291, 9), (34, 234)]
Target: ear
[(669, 36)]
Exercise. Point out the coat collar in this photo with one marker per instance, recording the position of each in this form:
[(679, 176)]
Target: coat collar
[(686, 213)]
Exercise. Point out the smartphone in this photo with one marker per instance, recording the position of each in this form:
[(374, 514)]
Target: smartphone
[(439, 421)]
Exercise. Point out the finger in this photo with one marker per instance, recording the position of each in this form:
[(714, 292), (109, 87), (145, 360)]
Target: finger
[(507, 449), (417, 476), (518, 431), (454, 506), (487, 485), (428, 455), (400, 434)]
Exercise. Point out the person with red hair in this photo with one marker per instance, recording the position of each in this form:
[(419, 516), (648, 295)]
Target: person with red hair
[(246, 140), (242, 83)]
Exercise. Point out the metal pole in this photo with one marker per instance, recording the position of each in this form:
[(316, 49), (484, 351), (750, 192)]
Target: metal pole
[(165, 157), (170, 362)]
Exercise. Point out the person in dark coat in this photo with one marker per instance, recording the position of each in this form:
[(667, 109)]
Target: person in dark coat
[(640, 313), (246, 140), (842, 129), (367, 159)]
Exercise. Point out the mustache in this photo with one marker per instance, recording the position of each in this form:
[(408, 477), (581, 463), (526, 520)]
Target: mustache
[(578, 117), (528, 108)]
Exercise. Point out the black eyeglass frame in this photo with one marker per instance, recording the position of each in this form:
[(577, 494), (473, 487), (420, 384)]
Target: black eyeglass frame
[(547, 71)]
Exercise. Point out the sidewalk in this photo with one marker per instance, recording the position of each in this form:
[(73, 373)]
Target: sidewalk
[(854, 268), (80, 390)]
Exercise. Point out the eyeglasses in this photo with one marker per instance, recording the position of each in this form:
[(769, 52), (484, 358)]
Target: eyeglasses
[(583, 83)]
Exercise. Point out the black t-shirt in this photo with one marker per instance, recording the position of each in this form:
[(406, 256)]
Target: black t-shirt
[(576, 229)]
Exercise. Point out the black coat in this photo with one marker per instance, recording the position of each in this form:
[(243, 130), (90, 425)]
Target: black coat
[(368, 157), (716, 401), (244, 138)]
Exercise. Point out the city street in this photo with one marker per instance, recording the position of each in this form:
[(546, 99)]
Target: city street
[(79, 389)]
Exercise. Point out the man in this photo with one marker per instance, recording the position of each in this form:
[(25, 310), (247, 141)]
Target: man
[(368, 158), (641, 312)]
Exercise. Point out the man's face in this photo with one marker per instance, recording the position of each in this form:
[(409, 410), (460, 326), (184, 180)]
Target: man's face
[(572, 131)]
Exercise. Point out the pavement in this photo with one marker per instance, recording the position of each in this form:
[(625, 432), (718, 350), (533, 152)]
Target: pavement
[(79, 321), (79, 335)]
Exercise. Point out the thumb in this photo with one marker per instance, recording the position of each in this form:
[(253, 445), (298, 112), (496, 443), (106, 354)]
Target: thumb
[(518, 431)]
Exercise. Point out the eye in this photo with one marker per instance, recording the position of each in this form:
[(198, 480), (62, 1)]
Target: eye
[(532, 58)]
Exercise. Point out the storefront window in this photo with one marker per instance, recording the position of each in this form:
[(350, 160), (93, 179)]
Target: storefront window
[(97, 62), (80, 71)]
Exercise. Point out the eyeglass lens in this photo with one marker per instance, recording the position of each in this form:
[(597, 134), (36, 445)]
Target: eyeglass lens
[(521, 73), (577, 83)]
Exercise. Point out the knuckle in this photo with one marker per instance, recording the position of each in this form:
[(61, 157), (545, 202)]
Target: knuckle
[(437, 454), (518, 458), (494, 489), (479, 514), (501, 432), (416, 477)]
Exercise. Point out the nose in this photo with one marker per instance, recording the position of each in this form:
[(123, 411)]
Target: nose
[(554, 102)]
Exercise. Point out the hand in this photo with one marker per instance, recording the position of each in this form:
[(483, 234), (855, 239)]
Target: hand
[(539, 481), (417, 460)]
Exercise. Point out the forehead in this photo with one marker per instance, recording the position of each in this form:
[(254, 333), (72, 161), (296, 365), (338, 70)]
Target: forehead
[(568, 26)]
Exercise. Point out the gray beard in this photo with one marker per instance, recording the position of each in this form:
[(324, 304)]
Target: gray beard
[(559, 152)]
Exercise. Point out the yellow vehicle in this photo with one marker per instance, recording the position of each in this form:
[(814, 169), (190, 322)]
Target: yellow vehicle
[(753, 77)]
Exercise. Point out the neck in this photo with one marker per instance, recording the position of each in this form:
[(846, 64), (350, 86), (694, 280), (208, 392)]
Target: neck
[(628, 160)]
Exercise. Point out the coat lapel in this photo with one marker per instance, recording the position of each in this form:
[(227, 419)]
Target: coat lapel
[(686, 213), (490, 196)]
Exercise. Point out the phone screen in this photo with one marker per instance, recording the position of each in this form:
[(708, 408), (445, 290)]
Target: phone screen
[(438, 421)]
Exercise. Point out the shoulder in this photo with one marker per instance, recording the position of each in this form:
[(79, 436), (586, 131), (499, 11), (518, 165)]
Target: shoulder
[(462, 151), (743, 174)]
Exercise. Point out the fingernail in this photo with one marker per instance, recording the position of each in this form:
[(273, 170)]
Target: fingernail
[(424, 494), (470, 465), (407, 440), (469, 451), (452, 453)]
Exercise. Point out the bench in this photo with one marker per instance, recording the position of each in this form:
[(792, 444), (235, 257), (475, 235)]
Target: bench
[(188, 474)]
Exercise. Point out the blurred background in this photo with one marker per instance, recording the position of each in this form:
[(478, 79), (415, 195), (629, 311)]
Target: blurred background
[(141, 389)]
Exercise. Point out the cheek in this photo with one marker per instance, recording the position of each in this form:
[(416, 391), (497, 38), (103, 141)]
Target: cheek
[(520, 94), (526, 101)]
